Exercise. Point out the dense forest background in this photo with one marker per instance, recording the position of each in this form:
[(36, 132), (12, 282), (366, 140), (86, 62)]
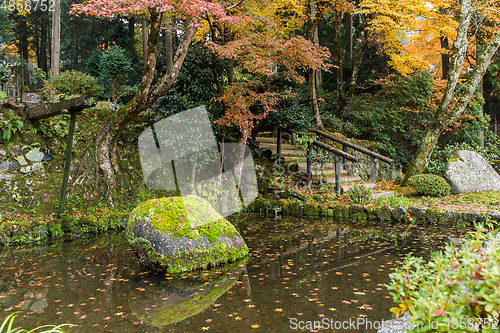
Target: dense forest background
[(362, 93)]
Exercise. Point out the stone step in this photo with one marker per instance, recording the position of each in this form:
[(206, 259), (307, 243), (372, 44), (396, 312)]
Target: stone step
[(327, 172), (370, 186), (345, 179), (285, 153), (265, 140), (329, 166), (272, 146), (382, 195)]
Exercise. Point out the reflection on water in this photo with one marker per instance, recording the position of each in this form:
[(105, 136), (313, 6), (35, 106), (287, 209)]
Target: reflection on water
[(302, 270), (173, 300)]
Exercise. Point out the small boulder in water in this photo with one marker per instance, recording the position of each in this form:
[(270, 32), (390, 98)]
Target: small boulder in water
[(181, 234)]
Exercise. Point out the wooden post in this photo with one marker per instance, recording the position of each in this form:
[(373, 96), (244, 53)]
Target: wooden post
[(373, 169), (278, 146), (309, 173), (337, 175), (496, 125), (69, 148), (344, 149), (339, 245)]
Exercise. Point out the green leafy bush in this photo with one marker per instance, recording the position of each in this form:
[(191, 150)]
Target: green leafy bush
[(10, 124), (457, 289), (3, 95), (71, 83), (431, 185), (359, 194)]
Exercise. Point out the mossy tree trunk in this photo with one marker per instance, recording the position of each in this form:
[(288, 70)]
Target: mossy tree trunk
[(107, 138), (313, 28), (446, 113)]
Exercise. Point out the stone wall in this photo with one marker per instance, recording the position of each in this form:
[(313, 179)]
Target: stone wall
[(363, 214), (31, 170)]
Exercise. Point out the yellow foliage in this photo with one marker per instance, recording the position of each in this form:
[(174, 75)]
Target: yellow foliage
[(408, 30)]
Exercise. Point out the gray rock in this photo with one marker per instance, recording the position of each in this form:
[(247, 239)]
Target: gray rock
[(400, 325), (5, 176), (468, 171), (16, 151), (450, 216), (21, 160), (25, 169), (35, 155), (39, 306), (399, 213), (37, 166), (8, 166), (418, 213), (471, 216), (495, 216)]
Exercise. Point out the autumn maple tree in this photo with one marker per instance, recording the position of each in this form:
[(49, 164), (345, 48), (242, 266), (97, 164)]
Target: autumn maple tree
[(253, 42)]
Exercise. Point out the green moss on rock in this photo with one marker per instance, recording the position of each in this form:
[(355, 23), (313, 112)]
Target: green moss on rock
[(182, 234)]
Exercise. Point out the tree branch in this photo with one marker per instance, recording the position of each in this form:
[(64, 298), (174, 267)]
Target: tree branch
[(180, 54)]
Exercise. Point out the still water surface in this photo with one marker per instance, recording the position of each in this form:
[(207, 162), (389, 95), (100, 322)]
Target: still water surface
[(298, 270)]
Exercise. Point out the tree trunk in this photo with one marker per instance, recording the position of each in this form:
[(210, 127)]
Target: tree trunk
[(346, 96), (169, 46), (43, 45), (144, 42), (107, 157), (56, 39), (131, 35), (348, 37), (424, 151), (313, 27), (314, 99), (340, 63), (445, 58), (479, 50), (443, 116)]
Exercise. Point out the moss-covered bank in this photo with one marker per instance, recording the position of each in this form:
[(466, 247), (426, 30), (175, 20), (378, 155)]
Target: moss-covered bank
[(22, 229), (365, 214)]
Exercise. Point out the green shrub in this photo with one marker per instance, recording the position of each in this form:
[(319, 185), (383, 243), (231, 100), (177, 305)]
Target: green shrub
[(71, 83), (455, 288), (3, 95), (11, 124), (359, 194), (431, 185)]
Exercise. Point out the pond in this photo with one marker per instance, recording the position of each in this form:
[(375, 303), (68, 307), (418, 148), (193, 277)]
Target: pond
[(299, 270)]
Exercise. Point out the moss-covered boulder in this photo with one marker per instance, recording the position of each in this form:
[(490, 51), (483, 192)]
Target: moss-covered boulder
[(182, 234)]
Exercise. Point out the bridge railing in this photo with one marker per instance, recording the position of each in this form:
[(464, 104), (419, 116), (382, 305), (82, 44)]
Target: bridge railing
[(336, 152)]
